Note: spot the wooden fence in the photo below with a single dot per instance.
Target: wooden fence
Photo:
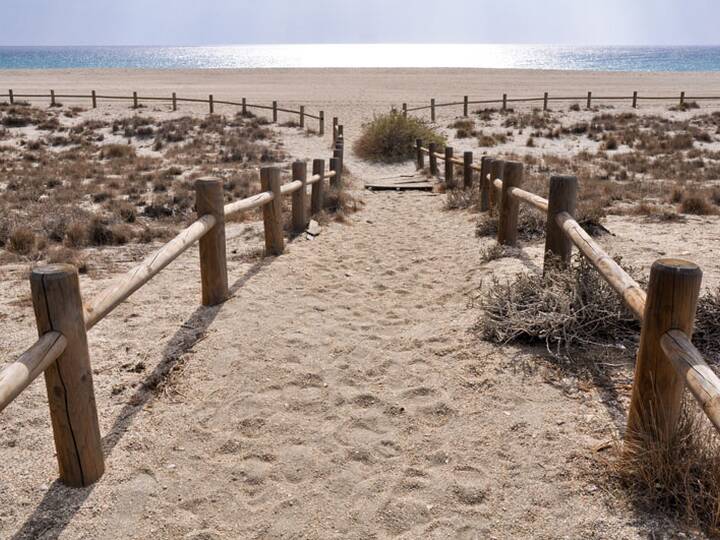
(667, 361)
(61, 352)
(211, 102)
(635, 99)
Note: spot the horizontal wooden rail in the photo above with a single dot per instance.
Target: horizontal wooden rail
(700, 379)
(18, 375)
(100, 306)
(249, 203)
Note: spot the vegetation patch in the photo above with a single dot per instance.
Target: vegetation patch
(391, 138)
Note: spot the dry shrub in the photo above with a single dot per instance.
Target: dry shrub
(566, 308)
(462, 199)
(116, 151)
(531, 224)
(391, 137)
(679, 478)
(21, 240)
(695, 204)
(707, 325)
(61, 254)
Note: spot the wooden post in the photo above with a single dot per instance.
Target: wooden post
(174, 101)
(589, 100)
(243, 107)
(316, 193)
(562, 198)
(634, 104)
(334, 127)
(419, 155)
(52, 98)
(432, 110)
(69, 381)
(209, 199)
(467, 170)
(211, 104)
(336, 165)
(272, 211)
(485, 168)
(509, 205)
(449, 168)
(496, 172)
(274, 112)
(94, 99)
(404, 109)
(299, 197)
(465, 106)
(302, 116)
(321, 122)
(433, 159)
(11, 96)
(682, 99)
(341, 133)
(545, 102)
(504, 105)
(135, 100)
(657, 391)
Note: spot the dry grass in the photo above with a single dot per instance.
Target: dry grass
(462, 199)
(391, 137)
(531, 224)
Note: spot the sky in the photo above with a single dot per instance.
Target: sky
(223, 22)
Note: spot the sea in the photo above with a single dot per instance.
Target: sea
(519, 56)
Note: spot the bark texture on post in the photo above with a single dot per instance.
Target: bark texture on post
(485, 169)
(94, 99)
(52, 98)
(432, 109)
(174, 101)
(274, 112)
(299, 197)
(419, 155)
(336, 165)
(509, 206)
(316, 195)
(467, 170)
(11, 96)
(211, 103)
(302, 116)
(465, 106)
(135, 100)
(432, 148)
(244, 107)
(272, 211)
(562, 198)
(496, 172)
(657, 392)
(449, 168)
(58, 307)
(545, 102)
(209, 199)
(635, 97)
(589, 100)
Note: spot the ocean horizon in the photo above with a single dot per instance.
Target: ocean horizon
(497, 56)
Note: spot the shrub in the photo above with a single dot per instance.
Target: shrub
(391, 137)
(695, 204)
(575, 107)
(22, 241)
(115, 151)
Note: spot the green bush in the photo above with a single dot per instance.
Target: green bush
(391, 137)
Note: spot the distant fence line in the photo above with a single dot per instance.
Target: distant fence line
(63, 319)
(136, 100)
(667, 361)
(682, 100)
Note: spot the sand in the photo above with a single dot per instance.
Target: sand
(339, 393)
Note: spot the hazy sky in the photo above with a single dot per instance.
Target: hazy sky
(200, 22)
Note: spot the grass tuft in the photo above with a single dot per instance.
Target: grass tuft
(391, 137)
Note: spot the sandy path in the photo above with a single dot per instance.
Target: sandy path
(339, 394)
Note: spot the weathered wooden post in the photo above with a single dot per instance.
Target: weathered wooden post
(496, 172)
(509, 205)
(682, 99)
(272, 211)
(449, 168)
(504, 103)
(341, 133)
(562, 198)
(52, 98)
(69, 381)
(545, 102)
(94, 99)
(336, 165)
(174, 101)
(243, 107)
(485, 169)
(467, 170)
(334, 128)
(209, 199)
(404, 109)
(635, 97)
(321, 124)
(419, 155)
(657, 391)
(465, 106)
(299, 197)
(302, 116)
(211, 103)
(275, 111)
(11, 96)
(433, 159)
(135, 100)
(316, 194)
(432, 109)
(589, 100)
